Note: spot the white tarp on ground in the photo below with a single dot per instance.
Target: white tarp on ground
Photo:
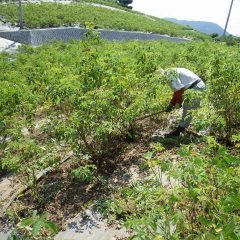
(5, 44)
(8, 46)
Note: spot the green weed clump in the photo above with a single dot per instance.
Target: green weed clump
(84, 174)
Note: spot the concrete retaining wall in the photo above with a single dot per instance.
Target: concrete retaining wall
(39, 36)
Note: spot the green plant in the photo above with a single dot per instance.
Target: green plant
(223, 81)
(85, 174)
(85, 96)
(34, 227)
(203, 202)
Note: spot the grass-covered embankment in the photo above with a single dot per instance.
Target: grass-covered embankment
(53, 15)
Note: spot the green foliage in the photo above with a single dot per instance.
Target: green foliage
(223, 77)
(84, 100)
(85, 174)
(86, 93)
(231, 40)
(53, 15)
(125, 3)
(214, 35)
(35, 227)
(201, 203)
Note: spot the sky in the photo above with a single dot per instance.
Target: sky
(200, 10)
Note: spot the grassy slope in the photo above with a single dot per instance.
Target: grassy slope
(53, 15)
(111, 3)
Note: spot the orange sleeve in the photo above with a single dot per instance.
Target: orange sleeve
(177, 97)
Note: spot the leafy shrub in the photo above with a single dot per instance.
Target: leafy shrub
(34, 227)
(90, 92)
(224, 80)
(85, 174)
(203, 203)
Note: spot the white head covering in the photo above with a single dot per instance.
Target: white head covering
(180, 78)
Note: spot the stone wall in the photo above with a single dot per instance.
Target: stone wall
(39, 36)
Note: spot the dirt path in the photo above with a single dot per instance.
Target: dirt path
(6, 187)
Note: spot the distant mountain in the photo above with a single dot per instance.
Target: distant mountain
(201, 26)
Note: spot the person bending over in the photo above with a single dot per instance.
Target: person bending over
(180, 80)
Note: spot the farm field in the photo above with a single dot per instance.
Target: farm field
(79, 14)
(86, 98)
(82, 128)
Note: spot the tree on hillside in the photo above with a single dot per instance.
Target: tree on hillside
(125, 3)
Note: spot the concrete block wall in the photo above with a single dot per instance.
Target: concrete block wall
(39, 36)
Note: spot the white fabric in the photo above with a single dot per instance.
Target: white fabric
(181, 78)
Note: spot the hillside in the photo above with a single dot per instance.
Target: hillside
(84, 15)
(201, 26)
